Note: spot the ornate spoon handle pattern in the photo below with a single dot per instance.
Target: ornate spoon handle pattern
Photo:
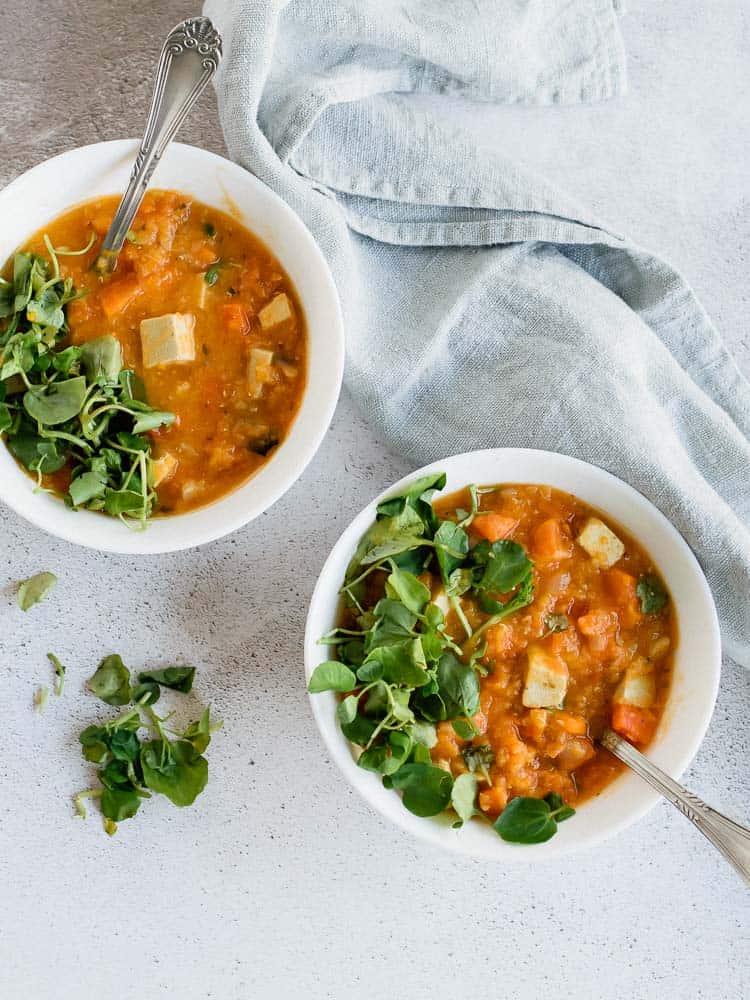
(729, 837)
(189, 58)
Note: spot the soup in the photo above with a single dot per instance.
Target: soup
(486, 640)
(581, 656)
(208, 321)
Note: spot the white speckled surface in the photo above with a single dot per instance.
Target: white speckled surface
(280, 882)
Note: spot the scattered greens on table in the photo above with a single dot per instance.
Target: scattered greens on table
(134, 765)
(72, 406)
(59, 673)
(35, 589)
(401, 673)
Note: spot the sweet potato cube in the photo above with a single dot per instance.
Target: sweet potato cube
(550, 541)
(117, 295)
(493, 526)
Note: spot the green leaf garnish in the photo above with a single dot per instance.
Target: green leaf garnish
(132, 768)
(426, 788)
(651, 594)
(35, 589)
(111, 682)
(532, 821)
(177, 678)
(331, 676)
(397, 662)
(59, 673)
(73, 406)
(175, 769)
(464, 797)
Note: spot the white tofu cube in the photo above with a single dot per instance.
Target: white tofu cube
(168, 339)
(278, 310)
(638, 686)
(546, 679)
(163, 468)
(603, 545)
(260, 371)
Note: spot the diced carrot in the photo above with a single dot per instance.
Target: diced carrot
(493, 526)
(535, 723)
(447, 742)
(204, 255)
(493, 800)
(576, 752)
(235, 319)
(620, 586)
(635, 724)
(480, 721)
(116, 296)
(598, 622)
(576, 725)
(550, 541)
(499, 641)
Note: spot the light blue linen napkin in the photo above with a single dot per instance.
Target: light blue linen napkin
(483, 307)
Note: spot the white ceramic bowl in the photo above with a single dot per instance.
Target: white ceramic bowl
(697, 658)
(56, 185)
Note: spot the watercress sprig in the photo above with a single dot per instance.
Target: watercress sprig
(72, 406)
(133, 766)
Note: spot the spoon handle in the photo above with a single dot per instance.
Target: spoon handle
(189, 58)
(729, 837)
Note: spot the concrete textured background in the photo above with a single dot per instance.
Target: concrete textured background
(280, 882)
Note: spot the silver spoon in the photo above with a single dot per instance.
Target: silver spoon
(189, 58)
(731, 839)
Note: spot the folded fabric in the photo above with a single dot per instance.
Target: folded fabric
(481, 308)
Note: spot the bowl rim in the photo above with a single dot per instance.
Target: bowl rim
(435, 830)
(304, 437)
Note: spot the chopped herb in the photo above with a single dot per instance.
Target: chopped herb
(212, 274)
(78, 800)
(478, 758)
(651, 594)
(264, 442)
(40, 698)
(555, 623)
(209, 229)
(35, 589)
(59, 673)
